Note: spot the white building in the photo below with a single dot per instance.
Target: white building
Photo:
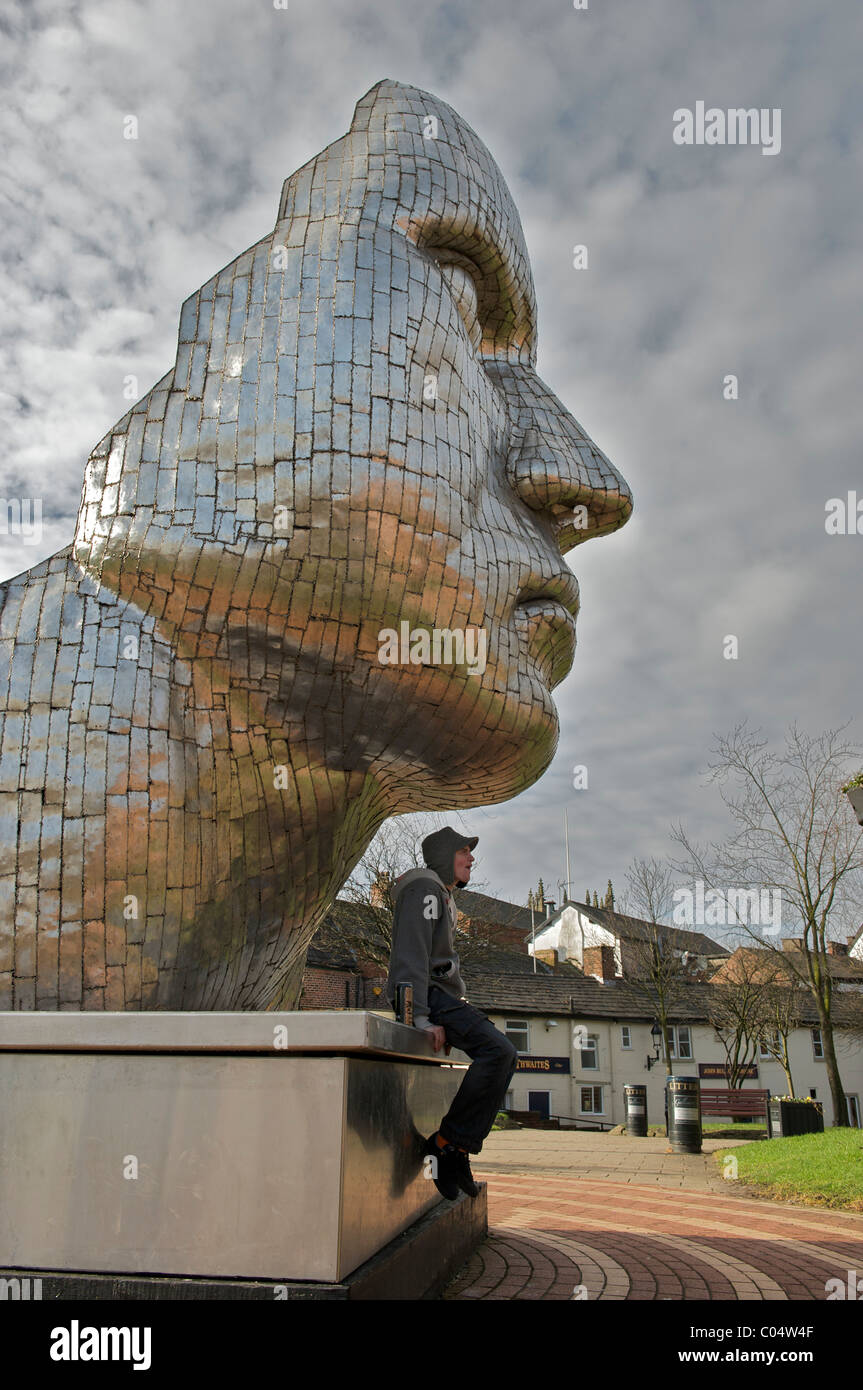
(580, 1042)
(584, 1030)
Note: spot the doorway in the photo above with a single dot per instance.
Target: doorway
(541, 1101)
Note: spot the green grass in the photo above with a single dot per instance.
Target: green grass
(732, 1129)
(503, 1121)
(722, 1129)
(821, 1170)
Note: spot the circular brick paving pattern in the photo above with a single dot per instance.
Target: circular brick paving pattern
(564, 1237)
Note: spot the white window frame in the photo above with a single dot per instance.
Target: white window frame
(765, 1054)
(817, 1045)
(520, 1026)
(626, 1037)
(593, 1046)
(675, 1042)
(593, 1090)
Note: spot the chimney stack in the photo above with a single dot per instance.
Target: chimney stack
(549, 956)
(379, 892)
(598, 961)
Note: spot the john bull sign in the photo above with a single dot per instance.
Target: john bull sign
(716, 1071)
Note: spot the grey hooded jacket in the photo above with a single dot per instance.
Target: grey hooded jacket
(423, 952)
(424, 921)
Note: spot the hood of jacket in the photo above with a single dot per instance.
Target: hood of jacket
(440, 849)
(411, 875)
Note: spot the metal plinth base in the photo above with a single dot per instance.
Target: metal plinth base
(274, 1148)
(418, 1264)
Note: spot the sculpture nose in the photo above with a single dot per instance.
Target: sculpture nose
(554, 466)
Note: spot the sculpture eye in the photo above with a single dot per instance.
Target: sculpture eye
(463, 289)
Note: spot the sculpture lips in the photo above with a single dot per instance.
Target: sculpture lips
(548, 629)
(560, 589)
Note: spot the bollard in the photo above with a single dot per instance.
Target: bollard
(635, 1102)
(683, 1110)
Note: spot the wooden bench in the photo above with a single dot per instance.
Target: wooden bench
(534, 1119)
(746, 1104)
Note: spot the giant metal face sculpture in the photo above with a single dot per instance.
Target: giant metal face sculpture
(202, 733)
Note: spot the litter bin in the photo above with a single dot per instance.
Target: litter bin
(683, 1114)
(635, 1103)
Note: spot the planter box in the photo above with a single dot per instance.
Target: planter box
(855, 796)
(788, 1118)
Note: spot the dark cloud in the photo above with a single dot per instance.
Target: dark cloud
(703, 261)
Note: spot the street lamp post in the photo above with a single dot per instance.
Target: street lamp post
(656, 1034)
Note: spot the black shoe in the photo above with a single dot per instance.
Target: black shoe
(463, 1175)
(444, 1172)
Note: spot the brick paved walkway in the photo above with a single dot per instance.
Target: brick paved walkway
(588, 1216)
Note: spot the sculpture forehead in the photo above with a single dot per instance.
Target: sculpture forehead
(410, 162)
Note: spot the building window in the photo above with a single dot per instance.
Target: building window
(626, 1036)
(812, 1095)
(589, 1059)
(817, 1045)
(769, 1048)
(591, 1100)
(516, 1030)
(681, 1042)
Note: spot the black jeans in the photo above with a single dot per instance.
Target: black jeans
(481, 1094)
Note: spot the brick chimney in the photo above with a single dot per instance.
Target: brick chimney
(380, 889)
(599, 962)
(549, 955)
(837, 948)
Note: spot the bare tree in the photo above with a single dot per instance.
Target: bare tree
(363, 912)
(780, 1016)
(794, 836)
(753, 1005)
(730, 1010)
(653, 966)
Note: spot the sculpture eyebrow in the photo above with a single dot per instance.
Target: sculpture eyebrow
(506, 314)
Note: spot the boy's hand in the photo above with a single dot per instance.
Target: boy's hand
(438, 1036)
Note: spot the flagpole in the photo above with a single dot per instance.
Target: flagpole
(566, 833)
(533, 936)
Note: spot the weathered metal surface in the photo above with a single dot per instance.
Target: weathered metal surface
(271, 1167)
(204, 717)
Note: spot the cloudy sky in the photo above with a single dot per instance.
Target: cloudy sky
(703, 261)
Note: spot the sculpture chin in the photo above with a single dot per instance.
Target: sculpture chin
(485, 741)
